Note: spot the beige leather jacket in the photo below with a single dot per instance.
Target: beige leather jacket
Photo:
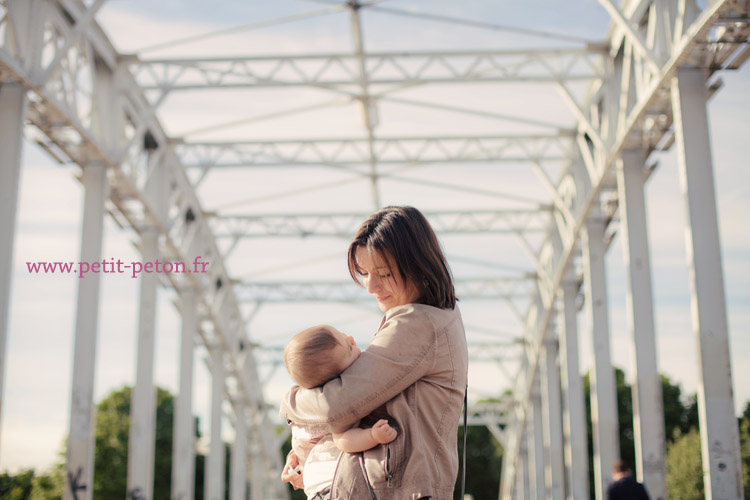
(415, 368)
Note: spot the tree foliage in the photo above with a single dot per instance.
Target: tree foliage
(111, 456)
(112, 431)
(684, 467)
(484, 457)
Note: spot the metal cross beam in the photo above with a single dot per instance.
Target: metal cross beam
(393, 150)
(346, 291)
(345, 225)
(342, 70)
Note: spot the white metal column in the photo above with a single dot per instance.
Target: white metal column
(13, 103)
(574, 405)
(238, 474)
(553, 440)
(521, 491)
(648, 406)
(143, 402)
(215, 463)
(603, 388)
(719, 433)
(536, 444)
(257, 473)
(183, 443)
(80, 454)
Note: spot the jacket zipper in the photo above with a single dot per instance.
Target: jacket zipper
(388, 473)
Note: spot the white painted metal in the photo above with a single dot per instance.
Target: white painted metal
(574, 406)
(552, 415)
(347, 291)
(536, 445)
(13, 103)
(354, 154)
(238, 460)
(325, 70)
(105, 124)
(602, 379)
(142, 436)
(634, 114)
(719, 433)
(215, 483)
(529, 221)
(648, 407)
(522, 474)
(79, 466)
(183, 441)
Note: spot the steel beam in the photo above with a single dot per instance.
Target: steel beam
(536, 445)
(648, 408)
(356, 153)
(215, 483)
(551, 409)
(341, 70)
(603, 388)
(13, 103)
(183, 442)
(346, 291)
(523, 480)
(238, 459)
(79, 468)
(143, 405)
(344, 225)
(718, 424)
(574, 405)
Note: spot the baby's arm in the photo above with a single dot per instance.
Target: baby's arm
(355, 439)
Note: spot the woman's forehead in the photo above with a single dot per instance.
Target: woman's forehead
(373, 258)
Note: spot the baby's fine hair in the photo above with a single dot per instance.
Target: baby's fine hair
(309, 357)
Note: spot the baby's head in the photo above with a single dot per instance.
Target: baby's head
(318, 354)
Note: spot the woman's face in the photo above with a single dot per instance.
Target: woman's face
(389, 289)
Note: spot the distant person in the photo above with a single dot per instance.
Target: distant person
(313, 357)
(625, 487)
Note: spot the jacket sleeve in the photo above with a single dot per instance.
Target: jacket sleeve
(402, 352)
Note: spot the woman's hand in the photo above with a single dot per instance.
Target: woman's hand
(291, 474)
(382, 432)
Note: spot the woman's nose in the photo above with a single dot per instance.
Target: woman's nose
(372, 284)
(351, 340)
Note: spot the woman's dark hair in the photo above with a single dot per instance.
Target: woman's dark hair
(405, 234)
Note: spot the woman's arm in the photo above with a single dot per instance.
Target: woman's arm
(401, 353)
(355, 439)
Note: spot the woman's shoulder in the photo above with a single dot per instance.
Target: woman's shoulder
(422, 313)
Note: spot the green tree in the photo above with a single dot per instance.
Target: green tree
(483, 463)
(684, 468)
(745, 448)
(679, 417)
(49, 486)
(112, 430)
(18, 486)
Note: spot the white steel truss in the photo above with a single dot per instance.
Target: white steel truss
(94, 107)
(341, 70)
(398, 150)
(344, 225)
(320, 291)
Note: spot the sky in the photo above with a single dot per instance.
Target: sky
(39, 350)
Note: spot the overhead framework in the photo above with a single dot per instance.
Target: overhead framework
(569, 184)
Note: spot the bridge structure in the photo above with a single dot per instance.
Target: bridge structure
(527, 204)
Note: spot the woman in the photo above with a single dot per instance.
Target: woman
(413, 372)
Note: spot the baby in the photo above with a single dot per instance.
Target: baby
(312, 358)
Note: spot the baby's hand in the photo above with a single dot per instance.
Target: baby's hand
(382, 432)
